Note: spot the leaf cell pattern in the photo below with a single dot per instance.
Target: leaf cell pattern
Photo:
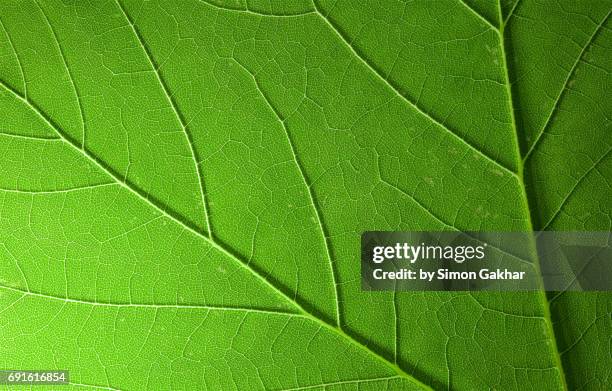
(183, 186)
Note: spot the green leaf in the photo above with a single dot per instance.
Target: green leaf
(184, 186)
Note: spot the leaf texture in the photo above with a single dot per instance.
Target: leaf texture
(183, 186)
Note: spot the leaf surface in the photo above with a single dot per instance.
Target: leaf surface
(184, 186)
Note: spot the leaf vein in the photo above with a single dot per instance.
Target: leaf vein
(478, 15)
(574, 188)
(343, 382)
(363, 59)
(564, 88)
(68, 70)
(66, 190)
(308, 184)
(525, 201)
(212, 241)
(150, 305)
(177, 112)
(31, 138)
(252, 12)
(10, 40)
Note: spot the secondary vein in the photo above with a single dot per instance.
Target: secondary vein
(70, 77)
(252, 12)
(177, 112)
(478, 15)
(332, 26)
(343, 382)
(212, 241)
(148, 305)
(59, 191)
(573, 189)
(19, 64)
(309, 189)
(563, 89)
